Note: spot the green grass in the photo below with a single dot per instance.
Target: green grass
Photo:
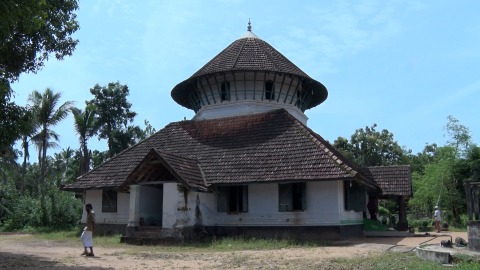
(457, 229)
(74, 236)
(229, 244)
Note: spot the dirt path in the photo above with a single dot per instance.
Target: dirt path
(25, 252)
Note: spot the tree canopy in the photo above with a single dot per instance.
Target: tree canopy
(30, 31)
(369, 147)
(114, 115)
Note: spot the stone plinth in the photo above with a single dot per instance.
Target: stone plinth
(473, 230)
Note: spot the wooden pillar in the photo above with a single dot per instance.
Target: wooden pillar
(468, 193)
(476, 201)
(402, 214)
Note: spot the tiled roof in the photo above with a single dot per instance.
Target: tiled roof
(256, 148)
(250, 54)
(166, 166)
(392, 180)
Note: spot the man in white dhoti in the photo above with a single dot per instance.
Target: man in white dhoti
(87, 235)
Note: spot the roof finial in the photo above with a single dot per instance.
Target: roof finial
(249, 28)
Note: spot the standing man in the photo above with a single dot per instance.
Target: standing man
(87, 235)
(437, 216)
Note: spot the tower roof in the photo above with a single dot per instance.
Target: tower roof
(250, 53)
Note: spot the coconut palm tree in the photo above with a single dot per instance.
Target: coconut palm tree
(28, 129)
(61, 164)
(86, 126)
(47, 113)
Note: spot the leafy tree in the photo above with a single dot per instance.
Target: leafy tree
(6, 163)
(114, 115)
(443, 171)
(10, 125)
(420, 160)
(460, 141)
(30, 31)
(369, 147)
(459, 136)
(123, 138)
(473, 163)
(99, 157)
(432, 186)
(148, 131)
(86, 126)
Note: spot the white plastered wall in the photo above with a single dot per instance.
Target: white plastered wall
(95, 198)
(324, 207)
(247, 95)
(175, 212)
(246, 107)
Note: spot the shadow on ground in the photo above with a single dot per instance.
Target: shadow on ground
(21, 261)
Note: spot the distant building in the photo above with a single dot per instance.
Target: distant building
(246, 164)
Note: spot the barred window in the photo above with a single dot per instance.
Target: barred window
(109, 201)
(292, 197)
(355, 196)
(269, 90)
(225, 91)
(232, 199)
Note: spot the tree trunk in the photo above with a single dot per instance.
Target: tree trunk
(24, 166)
(86, 162)
(43, 166)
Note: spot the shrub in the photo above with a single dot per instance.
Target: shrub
(21, 212)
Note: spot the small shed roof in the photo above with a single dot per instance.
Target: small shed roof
(392, 180)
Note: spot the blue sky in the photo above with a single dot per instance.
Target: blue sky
(404, 65)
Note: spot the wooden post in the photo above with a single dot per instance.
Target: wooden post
(402, 214)
(468, 193)
(476, 201)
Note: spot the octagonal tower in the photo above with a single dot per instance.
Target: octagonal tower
(249, 76)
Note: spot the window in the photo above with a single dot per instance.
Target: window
(109, 201)
(225, 91)
(355, 196)
(292, 197)
(299, 100)
(269, 90)
(232, 199)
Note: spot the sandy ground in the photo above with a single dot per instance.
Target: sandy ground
(24, 252)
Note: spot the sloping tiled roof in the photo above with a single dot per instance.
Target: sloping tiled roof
(256, 148)
(392, 180)
(250, 53)
(175, 167)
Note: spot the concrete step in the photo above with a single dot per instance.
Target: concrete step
(150, 228)
(149, 240)
(146, 234)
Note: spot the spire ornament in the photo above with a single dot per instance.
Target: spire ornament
(249, 28)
